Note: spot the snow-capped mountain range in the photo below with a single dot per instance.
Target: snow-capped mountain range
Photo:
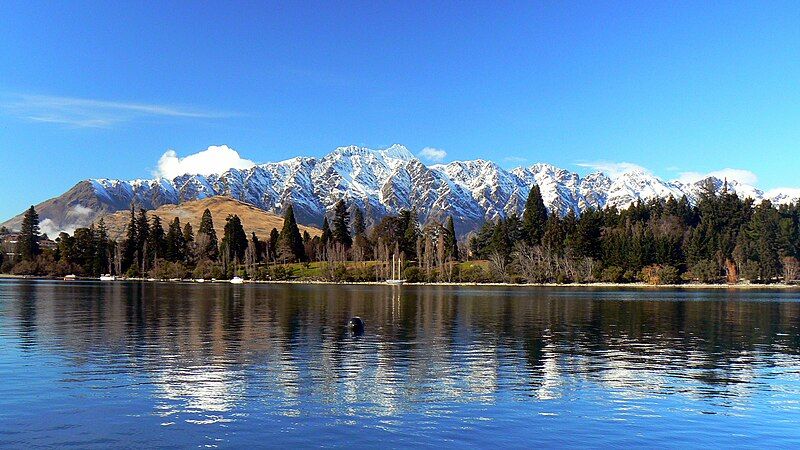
(381, 182)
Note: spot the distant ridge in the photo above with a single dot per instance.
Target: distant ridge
(253, 219)
(380, 182)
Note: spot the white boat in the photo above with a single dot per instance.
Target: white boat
(199, 280)
(107, 277)
(237, 280)
(395, 279)
(70, 277)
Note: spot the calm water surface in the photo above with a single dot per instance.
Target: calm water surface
(182, 365)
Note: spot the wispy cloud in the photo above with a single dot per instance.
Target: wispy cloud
(92, 113)
(613, 169)
(740, 175)
(433, 154)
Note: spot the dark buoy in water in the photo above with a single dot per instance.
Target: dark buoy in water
(356, 326)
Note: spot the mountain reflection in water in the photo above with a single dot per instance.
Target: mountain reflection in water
(91, 364)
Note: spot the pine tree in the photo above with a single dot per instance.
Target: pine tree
(290, 243)
(102, 249)
(535, 216)
(130, 250)
(272, 245)
(84, 251)
(553, 236)
(341, 219)
(359, 225)
(450, 242)
(188, 233)
(235, 239)
(208, 246)
(28, 242)
(176, 244)
(156, 247)
(143, 238)
(408, 244)
(326, 233)
(256, 247)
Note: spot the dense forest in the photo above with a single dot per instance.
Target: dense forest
(721, 238)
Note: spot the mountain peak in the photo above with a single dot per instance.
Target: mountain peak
(398, 151)
(383, 181)
(394, 151)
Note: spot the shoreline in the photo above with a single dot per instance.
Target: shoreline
(604, 285)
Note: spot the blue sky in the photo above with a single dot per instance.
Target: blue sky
(103, 89)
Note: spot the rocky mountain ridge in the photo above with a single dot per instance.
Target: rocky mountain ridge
(381, 182)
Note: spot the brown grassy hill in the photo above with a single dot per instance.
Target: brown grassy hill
(253, 219)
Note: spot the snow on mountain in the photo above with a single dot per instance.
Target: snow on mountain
(385, 181)
(637, 184)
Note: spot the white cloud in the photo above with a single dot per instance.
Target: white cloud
(48, 227)
(740, 175)
(515, 159)
(783, 191)
(82, 210)
(91, 113)
(215, 159)
(613, 169)
(432, 154)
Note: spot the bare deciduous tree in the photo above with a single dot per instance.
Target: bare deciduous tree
(791, 267)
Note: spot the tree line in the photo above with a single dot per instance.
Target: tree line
(721, 238)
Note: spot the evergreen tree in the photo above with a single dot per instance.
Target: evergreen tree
(554, 234)
(176, 244)
(143, 238)
(272, 245)
(326, 233)
(359, 225)
(450, 242)
(156, 247)
(207, 244)
(188, 233)
(28, 243)
(499, 241)
(535, 216)
(102, 249)
(235, 239)
(481, 242)
(764, 233)
(290, 243)
(257, 247)
(408, 244)
(341, 219)
(130, 250)
(84, 251)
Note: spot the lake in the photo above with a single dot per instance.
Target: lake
(87, 364)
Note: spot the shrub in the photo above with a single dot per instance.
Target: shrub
(204, 270)
(361, 274)
(704, 271)
(25, 268)
(166, 270)
(750, 271)
(613, 274)
(413, 274)
(339, 273)
(279, 273)
(657, 274)
(473, 274)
